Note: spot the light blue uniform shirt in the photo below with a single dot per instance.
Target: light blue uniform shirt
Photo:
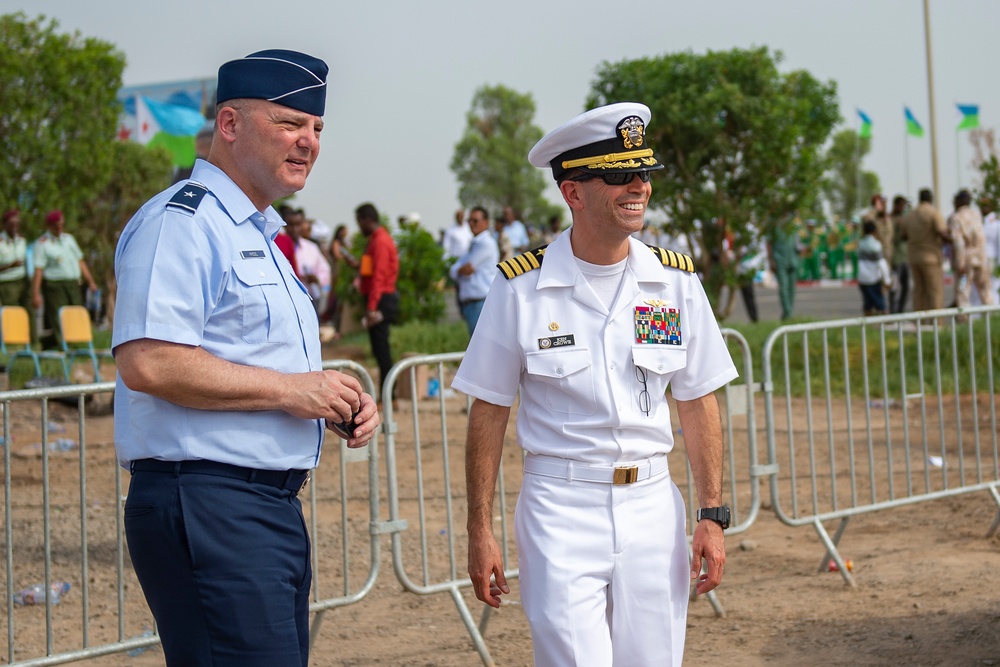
(213, 279)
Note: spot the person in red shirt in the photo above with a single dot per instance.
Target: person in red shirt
(284, 242)
(378, 272)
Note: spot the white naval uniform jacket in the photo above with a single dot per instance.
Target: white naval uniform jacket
(546, 332)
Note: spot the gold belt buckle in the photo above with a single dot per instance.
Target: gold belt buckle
(626, 475)
(305, 483)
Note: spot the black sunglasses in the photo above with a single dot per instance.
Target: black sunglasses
(613, 178)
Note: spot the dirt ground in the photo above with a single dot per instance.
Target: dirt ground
(927, 591)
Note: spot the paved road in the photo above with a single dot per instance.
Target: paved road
(826, 301)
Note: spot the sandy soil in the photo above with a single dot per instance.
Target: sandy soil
(927, 591)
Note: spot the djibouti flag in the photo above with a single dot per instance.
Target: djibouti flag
(913, 128)
(970, 116)
(866, 124)
(169, 125)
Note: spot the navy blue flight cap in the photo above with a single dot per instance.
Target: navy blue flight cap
(289, 78)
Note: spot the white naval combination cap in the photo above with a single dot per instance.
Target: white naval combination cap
(611, 138)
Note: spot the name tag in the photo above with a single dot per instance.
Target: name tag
(252, 254)
(556, 341)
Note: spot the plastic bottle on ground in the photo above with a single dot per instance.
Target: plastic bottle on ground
(35, 594)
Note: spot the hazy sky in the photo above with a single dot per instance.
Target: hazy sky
(403, 73)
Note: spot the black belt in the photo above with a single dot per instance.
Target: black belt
(292, 480)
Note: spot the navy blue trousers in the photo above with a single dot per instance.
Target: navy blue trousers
(224, 565)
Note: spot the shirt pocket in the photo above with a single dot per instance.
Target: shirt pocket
(655, 365)
(263, 295)
(568, 377)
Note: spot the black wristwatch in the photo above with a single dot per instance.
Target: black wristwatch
(719, 515)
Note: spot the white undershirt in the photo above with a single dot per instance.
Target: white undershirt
(604, 279)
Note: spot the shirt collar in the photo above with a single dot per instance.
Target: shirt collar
(232, 199)
(559, 268)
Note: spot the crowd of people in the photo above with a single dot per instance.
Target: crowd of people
(907, 250)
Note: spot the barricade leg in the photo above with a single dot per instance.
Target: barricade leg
(836, 541)
(996, 520)
(314, 627)
(470, 624)
(484, 619)
(831, 548)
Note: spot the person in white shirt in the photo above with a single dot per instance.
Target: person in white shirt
(314, 269)
(991, 230)
(457, 237)
(586, 335)
(515, 230)
(474, 271)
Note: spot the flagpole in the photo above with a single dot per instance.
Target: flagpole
(958, 161)
(906, 159)
(930, 98)
(857, 170)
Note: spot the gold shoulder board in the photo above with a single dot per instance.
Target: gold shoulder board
(674, 260)
(526, 261)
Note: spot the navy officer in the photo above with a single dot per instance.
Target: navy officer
(590, 330)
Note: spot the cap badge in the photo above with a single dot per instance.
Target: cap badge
(632, 129)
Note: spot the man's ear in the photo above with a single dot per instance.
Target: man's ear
(226, 121)
(571, 192)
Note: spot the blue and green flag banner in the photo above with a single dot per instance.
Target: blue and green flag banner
(913, 128)
(970, 116)
(866, 124)
(171, 126)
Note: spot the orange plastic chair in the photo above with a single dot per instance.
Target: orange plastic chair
(78, 338)
(15, 340)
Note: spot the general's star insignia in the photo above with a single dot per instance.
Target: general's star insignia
(188, 193)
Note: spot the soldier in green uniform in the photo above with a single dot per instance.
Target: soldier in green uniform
(835, 239)
(810, 238)
(851, 238)
(15, 288)
(783, 253)
(59, 266)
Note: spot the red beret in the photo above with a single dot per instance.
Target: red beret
(7, 215)
(53, 216)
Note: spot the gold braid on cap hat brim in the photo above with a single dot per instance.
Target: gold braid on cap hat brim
(613, 160)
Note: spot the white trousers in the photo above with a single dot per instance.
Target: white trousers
(604, 571)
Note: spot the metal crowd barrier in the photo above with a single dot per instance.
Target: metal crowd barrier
(432, 559)
(81, 533)
(911, 418)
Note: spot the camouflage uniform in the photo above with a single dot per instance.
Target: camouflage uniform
(969, 244)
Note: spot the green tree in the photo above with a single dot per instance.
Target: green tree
(840, 186)
(138, 174)
(491, 159)
(990, 191)
(58, 116)
(984, 144)
(740, 140)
